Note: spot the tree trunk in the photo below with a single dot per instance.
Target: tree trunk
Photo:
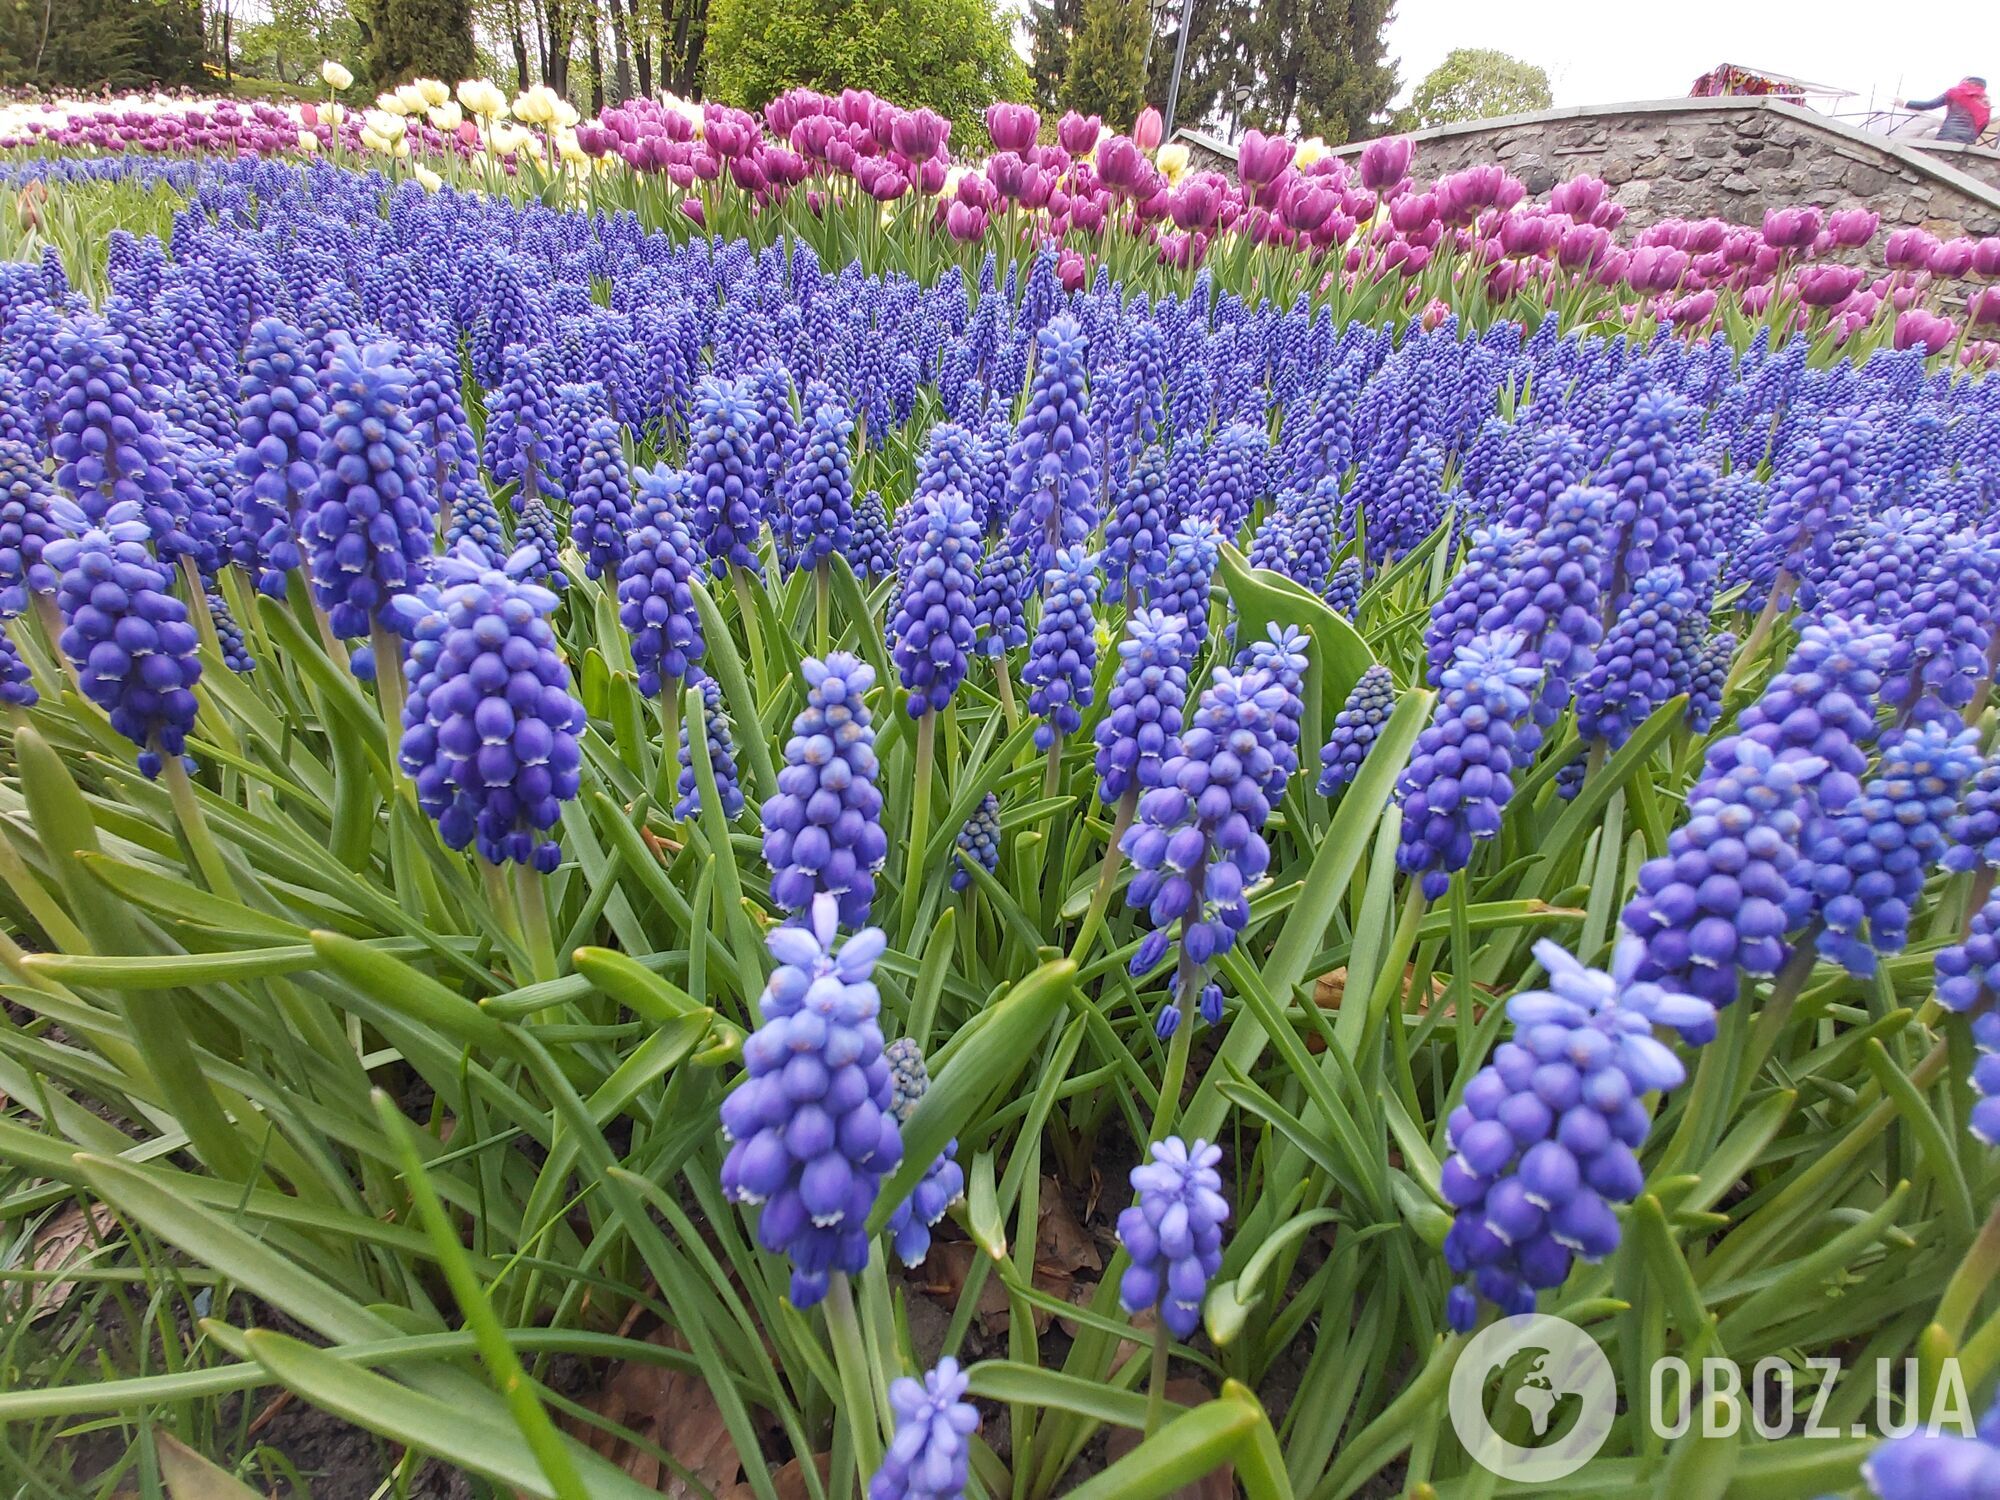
(645, 65)
(621, 47)
(596, 53)
(520, 40)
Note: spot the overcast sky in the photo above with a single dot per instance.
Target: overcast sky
(1599, 53)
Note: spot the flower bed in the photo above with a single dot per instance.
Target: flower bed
(704, 805)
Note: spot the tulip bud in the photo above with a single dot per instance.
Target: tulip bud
(1148, 128)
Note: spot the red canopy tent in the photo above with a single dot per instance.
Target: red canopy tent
(1733, 78)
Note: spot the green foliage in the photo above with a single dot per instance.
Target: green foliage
(405, 39)
(1476, 83)
(1052, 24)
(953, 56)
(1315, 67)
(1107, 64)
(293, 38)
(85, 44)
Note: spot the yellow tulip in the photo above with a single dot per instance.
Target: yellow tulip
(389, 104)
(482, 98)
(430, 180)
(308, 141)
(373, 141)
(412, 99)
(446, 116)
(431, 90)
(388, 126)
(1173, 160)
(1311, 149)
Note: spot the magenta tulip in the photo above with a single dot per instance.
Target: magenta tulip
(1012, 126)
(1385, 162)
(1922, 329)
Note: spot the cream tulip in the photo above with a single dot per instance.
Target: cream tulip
(482, 98)
(431, 90)
(430, 180)
(445, 117)
(336, 77)
(1172, 160)
(1311, 149)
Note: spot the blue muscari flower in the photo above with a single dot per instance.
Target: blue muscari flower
(932, 631)
(1637, 665)
(1460, 776)
(1468, 604)
(818, 489)
(721, 759)
(17, 686)
(1868, 860)
(999, 599)
(1173, 1234)
(871, 553)
(1737, 520)
(1141, 725)
(655, 599)
(1974, 830)
(1052, 480)
(577, 406)
(229, 635)
(1062, 659)
(367, 524)
(520, 446)
(954, 458)
(1706, 681)
(979, 841)
(1881, 568)
(727, 505)
(1729, 888)
(535, 532)
(1642, 513)
(107, 445)
(1135, 538)
(1343, 588)
(472, 517)
(943, 1183)
(1943, 635)
(1545, 1139)
(1717, 901)
(28, 523)
(1811, 506)
(823, 827)
(1198, 844)
(1938, 1465)
(1983, 1119)
(1233, 477)
(1406, 502)
(810, 1129)
(1312, 536)
(1355, 728)
(1559, 461)
(128, 635)
(1282, 656)
(600, 500)
(491, 732)
(1182, 589)
(927, 1458)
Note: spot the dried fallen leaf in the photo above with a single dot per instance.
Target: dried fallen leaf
(945, 1271)
(789, 1482)
(1216, 1484)
(62, 1242)
(672, 1409)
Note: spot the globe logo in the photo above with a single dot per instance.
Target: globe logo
(1547, 1367)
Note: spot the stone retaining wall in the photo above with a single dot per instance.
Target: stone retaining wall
(1730, 159)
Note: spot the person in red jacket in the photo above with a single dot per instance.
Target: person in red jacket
(1966, 111)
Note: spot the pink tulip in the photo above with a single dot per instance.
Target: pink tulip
(1077, 134)
(1147, 129)
(1012, 126)
(1982, 309)
(1909, 250)
(1385, 162)
(1852, 228)
(1790, 228)
(1953, 258)
(1920, 328)
(1827, 286)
